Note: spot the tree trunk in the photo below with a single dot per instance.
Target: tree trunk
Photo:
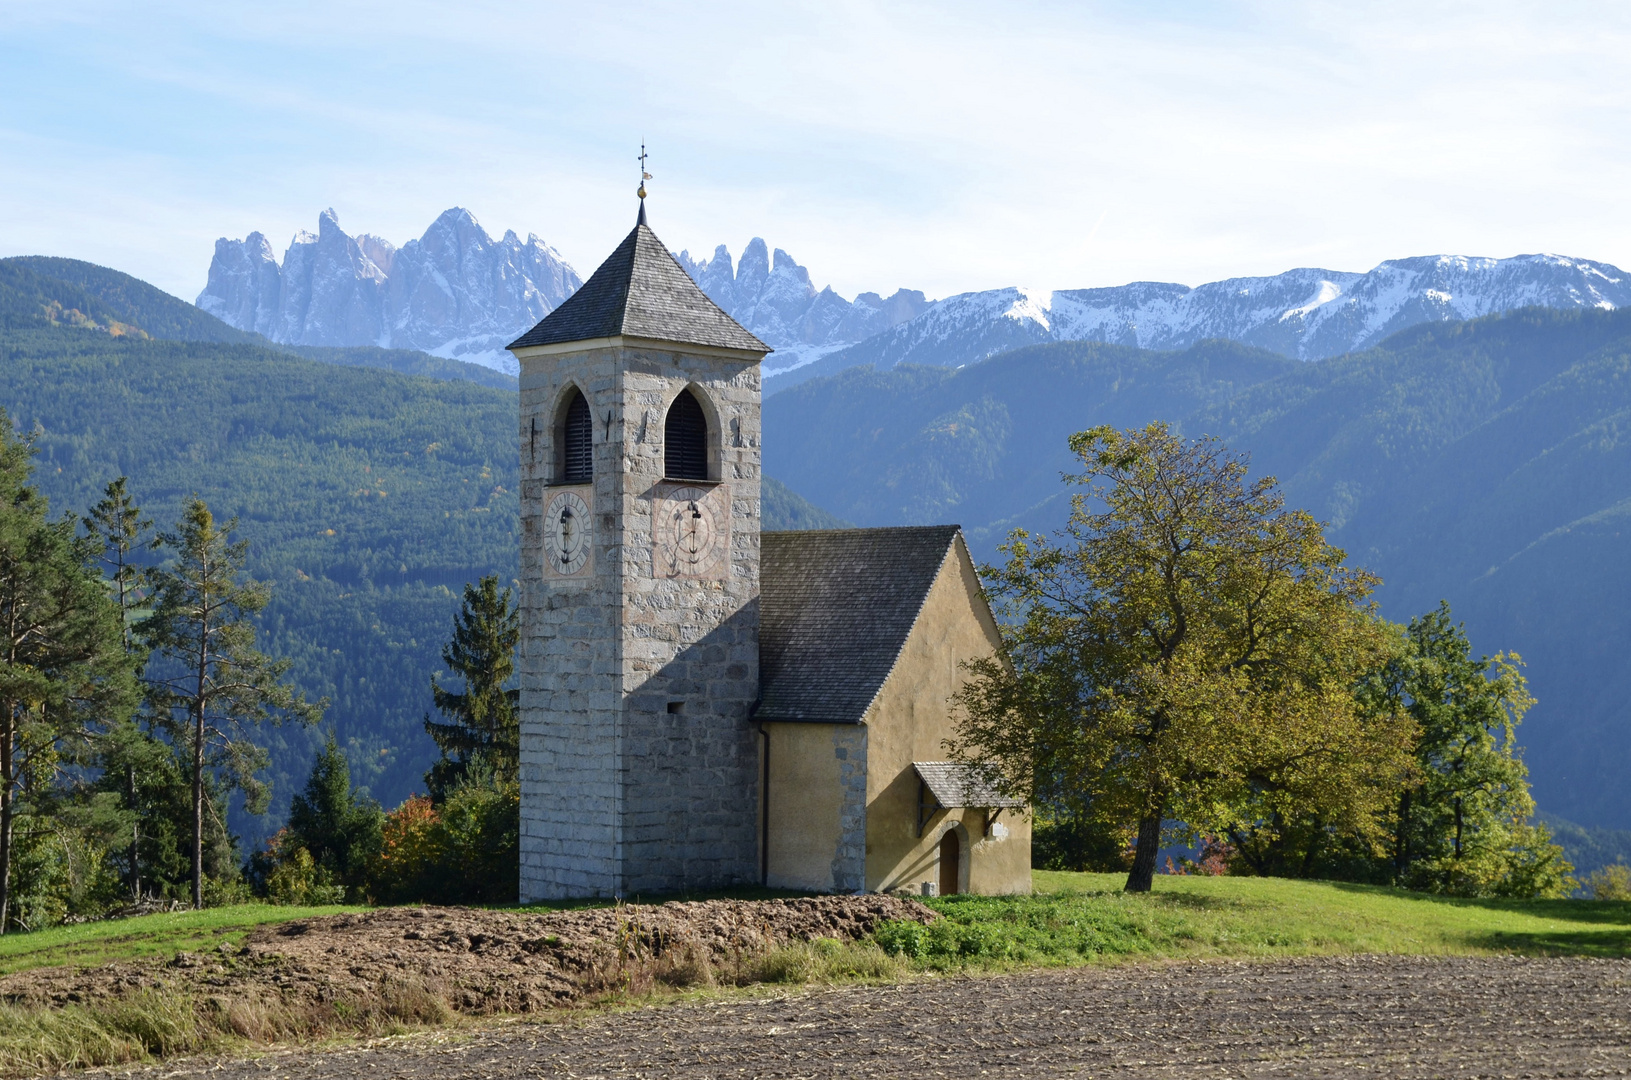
(201, 674)
(1142, 876)
(1313, 849)
(135, 840)
(1401, 848)
(7, 754)
(198, 806)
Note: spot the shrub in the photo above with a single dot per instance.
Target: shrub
(295, 878)
(57, 874)
(467, 851)
(480, 842)
(1610, 883)
(908, 939)
(409, 852)
(225, 891)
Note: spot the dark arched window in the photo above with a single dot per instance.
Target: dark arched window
(577, 443)
(685, 440)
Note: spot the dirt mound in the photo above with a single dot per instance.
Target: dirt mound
(483, 961)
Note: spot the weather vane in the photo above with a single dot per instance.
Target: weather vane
(644, 176)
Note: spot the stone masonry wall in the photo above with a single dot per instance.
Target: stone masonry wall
(691, 778)
(640, 767)
(569, 655)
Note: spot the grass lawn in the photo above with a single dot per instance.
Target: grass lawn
(90, 944)
(1070, 919)
(1077, 918)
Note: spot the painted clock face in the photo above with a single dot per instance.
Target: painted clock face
(691, 532)
(567, 533)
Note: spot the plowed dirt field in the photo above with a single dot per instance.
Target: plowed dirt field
(1395, 1017)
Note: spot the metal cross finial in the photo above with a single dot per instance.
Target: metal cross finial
(644, 176)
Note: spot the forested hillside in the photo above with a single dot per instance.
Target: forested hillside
(1488, 463)
(368, 499)
(981, 444)
(1485, 462)
(38, 290)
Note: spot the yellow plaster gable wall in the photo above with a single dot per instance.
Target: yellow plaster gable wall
(910, 721)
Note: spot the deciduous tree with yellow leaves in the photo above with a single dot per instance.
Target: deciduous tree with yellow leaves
(1186, 649)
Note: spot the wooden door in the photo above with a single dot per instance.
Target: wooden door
(951, 858)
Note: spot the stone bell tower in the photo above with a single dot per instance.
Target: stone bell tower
(639, 586)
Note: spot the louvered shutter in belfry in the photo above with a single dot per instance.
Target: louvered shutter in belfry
(579, 454)
(685, 440)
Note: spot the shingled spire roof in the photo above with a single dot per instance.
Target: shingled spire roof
(641, 292)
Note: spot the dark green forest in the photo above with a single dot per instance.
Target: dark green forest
(1482, 463)
(1486, 463)
(369, 498)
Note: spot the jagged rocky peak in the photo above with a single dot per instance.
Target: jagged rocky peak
(771, 294)
(455, 291)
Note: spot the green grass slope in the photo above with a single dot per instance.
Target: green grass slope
(1070, 919)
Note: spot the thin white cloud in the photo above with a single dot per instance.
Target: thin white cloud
(946, 147)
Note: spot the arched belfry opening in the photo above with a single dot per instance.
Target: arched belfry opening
(576, 442)
(685, 439)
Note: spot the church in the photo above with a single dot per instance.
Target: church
(705, 705)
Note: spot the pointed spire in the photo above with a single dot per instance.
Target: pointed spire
(644, 176)
(641, 292)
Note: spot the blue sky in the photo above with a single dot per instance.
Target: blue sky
(945, 146)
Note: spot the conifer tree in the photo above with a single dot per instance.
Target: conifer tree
(62, 665)
(339, 827)
(483, 729)
(133, 763)
(208, 680)
(118, 529)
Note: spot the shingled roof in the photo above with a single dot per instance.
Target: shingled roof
(835, 609)
(956, 785)
(640, 291)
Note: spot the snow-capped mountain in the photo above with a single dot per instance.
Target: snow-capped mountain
(457, 292)
(454, 292)
(1308, 314)
(774, 298)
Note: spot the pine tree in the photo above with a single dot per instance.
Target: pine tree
(338, 826)
(118, 529)
(63, 669)
(132, 761)
(483, 729)
(207, 679)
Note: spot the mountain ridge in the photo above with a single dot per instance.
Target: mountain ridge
(1306, 313)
